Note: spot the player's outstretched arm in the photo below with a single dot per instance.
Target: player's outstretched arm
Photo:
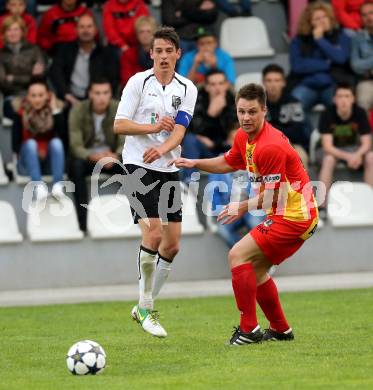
(129, 127)
(211, 165)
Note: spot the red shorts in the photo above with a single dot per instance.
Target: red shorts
(279, 238)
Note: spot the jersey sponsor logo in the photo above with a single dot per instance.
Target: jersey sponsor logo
(255, 179)
(176, 102)
(154, 118)
(275, 178)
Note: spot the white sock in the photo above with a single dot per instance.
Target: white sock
(146, 267)
(161, 274)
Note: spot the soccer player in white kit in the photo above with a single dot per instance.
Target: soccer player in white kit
(154, 112)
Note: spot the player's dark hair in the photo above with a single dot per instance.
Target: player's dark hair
(273, 68)
(213, 72)
(98, 80)
(252, 92)
(345, 85)
(168, 34)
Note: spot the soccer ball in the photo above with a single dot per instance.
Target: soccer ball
(86, 357)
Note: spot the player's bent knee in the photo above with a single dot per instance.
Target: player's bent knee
(152, 239)
(236, 258)
(170, 251)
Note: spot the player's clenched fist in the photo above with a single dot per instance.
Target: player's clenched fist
(166, 123)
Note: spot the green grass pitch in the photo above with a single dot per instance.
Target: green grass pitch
(333, 347)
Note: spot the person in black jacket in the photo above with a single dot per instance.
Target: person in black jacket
(214, 117)
(284, 111)
(186, 16)
(77, 63)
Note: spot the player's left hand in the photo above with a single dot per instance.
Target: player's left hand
(152, 154)
(232, 212)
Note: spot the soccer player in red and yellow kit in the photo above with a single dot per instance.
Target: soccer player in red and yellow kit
(285, 192)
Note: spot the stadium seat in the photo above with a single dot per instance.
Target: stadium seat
(3, 177)
(314, 141)
(53, 220)
(9, 232)
(350, 204)
(109, 216)
(190, 224)
(246, 78)
(245, 37)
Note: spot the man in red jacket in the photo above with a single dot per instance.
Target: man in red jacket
(18, 8)
(58, 24)
(119, 22)
(347, 13)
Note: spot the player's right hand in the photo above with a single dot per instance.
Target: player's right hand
(166, 123)
(182, 163)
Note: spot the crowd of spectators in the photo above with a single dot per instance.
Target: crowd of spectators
(61, 73)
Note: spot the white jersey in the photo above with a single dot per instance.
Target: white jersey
(144, 100)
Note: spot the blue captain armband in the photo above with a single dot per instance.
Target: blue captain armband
(183, 119)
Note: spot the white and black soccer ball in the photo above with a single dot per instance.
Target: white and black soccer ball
(86, 357)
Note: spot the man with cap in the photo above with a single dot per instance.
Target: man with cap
(208, 56)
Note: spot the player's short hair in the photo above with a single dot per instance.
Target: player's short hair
(168, 34)
(273, 68)
(213, 72)
(98, 80)
(344, 85)
(252, 91)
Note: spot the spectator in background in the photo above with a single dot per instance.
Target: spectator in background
(19, 61)
(362, 58)
(284, 111)
(76, 63)
(137, 58)
(18, 8)
(241, 8)
(186, 16)
(92, 138)
(36, 137)
(346, 136)
(214, 117)
(119, 18)
(58, 24)
(347, 13)
(319, 56)
(208, 56)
